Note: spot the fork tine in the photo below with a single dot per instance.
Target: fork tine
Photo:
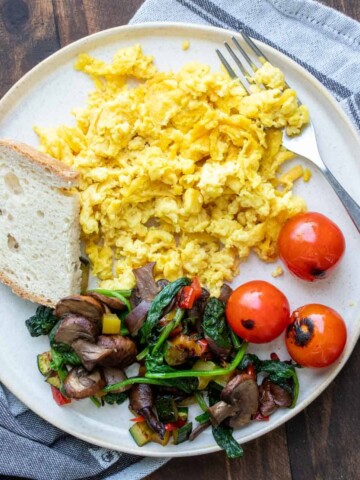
(262, 58)
(245, 55)
(229, 68)
(260, 55)
(238, 62)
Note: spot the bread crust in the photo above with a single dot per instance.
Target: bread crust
(56, 167)
(24, 293)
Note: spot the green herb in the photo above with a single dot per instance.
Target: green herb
(96, 402)
(42, 322)
(123, 330)
(203, 418)
(59, 359)
(140, 356)
(115, 398)
(236, 341)
(214, 323)
(176, 374)
(119, 294)
(133, 381)
(201, 402)
(162, 300)
(224, 438)
(156, 366)
(175, 322)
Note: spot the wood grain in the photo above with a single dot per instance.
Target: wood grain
(28, 31)
(349, 7)
(322, 442)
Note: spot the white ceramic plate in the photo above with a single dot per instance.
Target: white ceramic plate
(45, 97)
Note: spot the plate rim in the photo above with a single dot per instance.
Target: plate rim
(9, 100)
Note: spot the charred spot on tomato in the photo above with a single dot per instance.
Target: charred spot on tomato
(248, 324)
(303, 331)
(317, 273)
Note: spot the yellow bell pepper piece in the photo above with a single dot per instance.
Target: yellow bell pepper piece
(111, 324)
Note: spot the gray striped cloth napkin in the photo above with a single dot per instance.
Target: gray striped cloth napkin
(320, 39)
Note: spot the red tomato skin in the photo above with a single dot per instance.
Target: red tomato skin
(311, 245)
(257, 311)
(316, 336)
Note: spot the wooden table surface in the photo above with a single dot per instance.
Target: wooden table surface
(322, 442)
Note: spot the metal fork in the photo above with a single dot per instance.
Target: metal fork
(304, 144)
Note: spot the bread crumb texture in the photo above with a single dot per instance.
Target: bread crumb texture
(181, 169)
(39, 230)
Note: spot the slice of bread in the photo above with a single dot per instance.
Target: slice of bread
(39, 225)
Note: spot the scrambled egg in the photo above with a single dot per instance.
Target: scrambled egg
(180, 168)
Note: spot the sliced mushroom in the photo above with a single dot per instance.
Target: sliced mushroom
(214, 347)
(115, 375)
(73, 327)
(136, 318)
(225, 293)
(272, 396)
(162, 283)
(142, 402)
(123, 350)
(112, 303)
(83, 305)
(243, 394)
(135, 298)
(81, 384)
(90, 354)
(220, 411)
(145, 282)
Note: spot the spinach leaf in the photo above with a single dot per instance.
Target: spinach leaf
(162, 300)
(115, 398)
(59, 359)
(214, 324)
(224, 438)
(223, 434)
(155, 365)
(42, 322)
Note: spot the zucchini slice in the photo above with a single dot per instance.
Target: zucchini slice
(141, 433)
(54, 380)
(156, 438)
(182, 434)
(183, 413)
(166, 409)
(43, 363)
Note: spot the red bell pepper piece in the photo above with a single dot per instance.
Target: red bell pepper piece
(251, 371)
(189, 294)
(197, 287)
(274, 356)
(137, 419)
(170, 427)
(260, 417)
(187, 297)
(59, 397)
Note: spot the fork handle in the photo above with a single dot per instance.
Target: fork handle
(349, 203)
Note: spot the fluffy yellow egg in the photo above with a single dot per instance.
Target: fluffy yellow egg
(180, 169)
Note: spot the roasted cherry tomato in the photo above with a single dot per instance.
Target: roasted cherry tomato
(311, 245)
(257, 311)
(316, 337)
